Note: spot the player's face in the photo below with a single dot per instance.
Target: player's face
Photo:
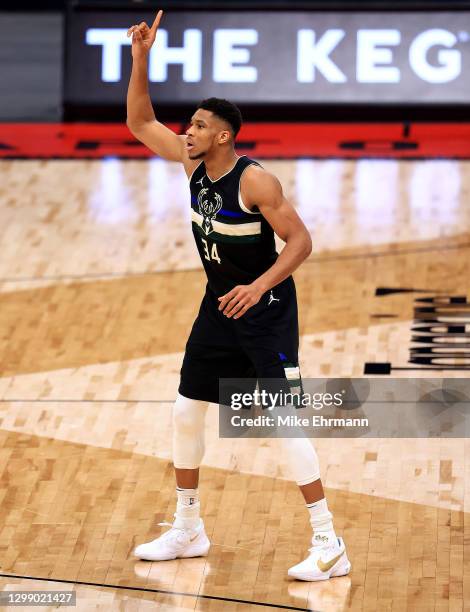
(205, 134)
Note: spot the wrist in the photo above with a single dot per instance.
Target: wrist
(260, 285)
(140, 58)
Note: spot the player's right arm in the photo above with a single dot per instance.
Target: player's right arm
(141, 119)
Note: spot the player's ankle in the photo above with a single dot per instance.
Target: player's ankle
(189, 524)
(324, 538)
(188, 508)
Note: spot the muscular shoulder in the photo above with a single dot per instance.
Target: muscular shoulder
(259, 187)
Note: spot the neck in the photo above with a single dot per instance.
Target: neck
(220, 163)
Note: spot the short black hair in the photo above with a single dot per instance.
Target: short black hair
(228, 111)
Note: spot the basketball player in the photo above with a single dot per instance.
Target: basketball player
(247, 323)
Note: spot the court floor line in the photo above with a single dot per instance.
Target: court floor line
(170, 401)
(88, 401)
(311, 261)
(162, 591)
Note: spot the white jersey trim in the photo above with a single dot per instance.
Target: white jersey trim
(228, 171)
(230, 229)
(292, 373)
(240, 199)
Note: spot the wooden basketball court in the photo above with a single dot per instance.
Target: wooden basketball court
(100, 282)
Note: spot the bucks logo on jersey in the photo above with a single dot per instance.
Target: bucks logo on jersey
(208, 208)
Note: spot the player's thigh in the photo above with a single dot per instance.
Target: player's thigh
(204, 365)
(275, 370)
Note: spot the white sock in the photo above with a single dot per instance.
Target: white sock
(188, 509)
(322, 523)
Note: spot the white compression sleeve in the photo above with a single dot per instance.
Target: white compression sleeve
(302, 459)
(188, 432)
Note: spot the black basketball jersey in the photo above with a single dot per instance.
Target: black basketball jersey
(236, 245)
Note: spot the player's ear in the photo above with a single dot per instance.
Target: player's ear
(224, 137)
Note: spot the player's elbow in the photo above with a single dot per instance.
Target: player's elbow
(306, 245)
(132, 126)
(301, 242)
(135, 128)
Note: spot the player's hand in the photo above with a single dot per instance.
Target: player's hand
(237, 301)
(143, 37)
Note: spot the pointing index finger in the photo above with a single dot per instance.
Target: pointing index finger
(156, 22)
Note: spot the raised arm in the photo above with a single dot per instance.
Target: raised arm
(141, 119)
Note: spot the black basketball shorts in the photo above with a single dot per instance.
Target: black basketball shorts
(262, 344)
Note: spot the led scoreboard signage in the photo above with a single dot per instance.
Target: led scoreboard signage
(275, 57)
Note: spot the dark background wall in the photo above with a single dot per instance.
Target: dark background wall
(30, 66)
(57, 5)
(31, 45)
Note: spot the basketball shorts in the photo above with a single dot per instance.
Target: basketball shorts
(262, 344)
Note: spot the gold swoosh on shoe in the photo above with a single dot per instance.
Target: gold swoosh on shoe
(324, 567)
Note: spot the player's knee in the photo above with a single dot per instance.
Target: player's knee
(184, 421)
(188, 415)
(302, 459)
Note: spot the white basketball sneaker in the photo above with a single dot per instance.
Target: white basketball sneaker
(326, 559)
(175, 543)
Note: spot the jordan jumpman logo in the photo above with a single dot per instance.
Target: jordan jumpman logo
(272, 298)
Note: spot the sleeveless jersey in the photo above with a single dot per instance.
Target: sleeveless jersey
(236, 245)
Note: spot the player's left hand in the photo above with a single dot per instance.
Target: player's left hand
(237, 301)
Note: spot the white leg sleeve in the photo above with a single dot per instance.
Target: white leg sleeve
(188, 432)
(302, 459)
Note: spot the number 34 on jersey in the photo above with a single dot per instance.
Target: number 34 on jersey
(213, 251)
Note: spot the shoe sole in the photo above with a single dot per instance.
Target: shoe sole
(342, 570)
(198, 552)
(202, 553)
